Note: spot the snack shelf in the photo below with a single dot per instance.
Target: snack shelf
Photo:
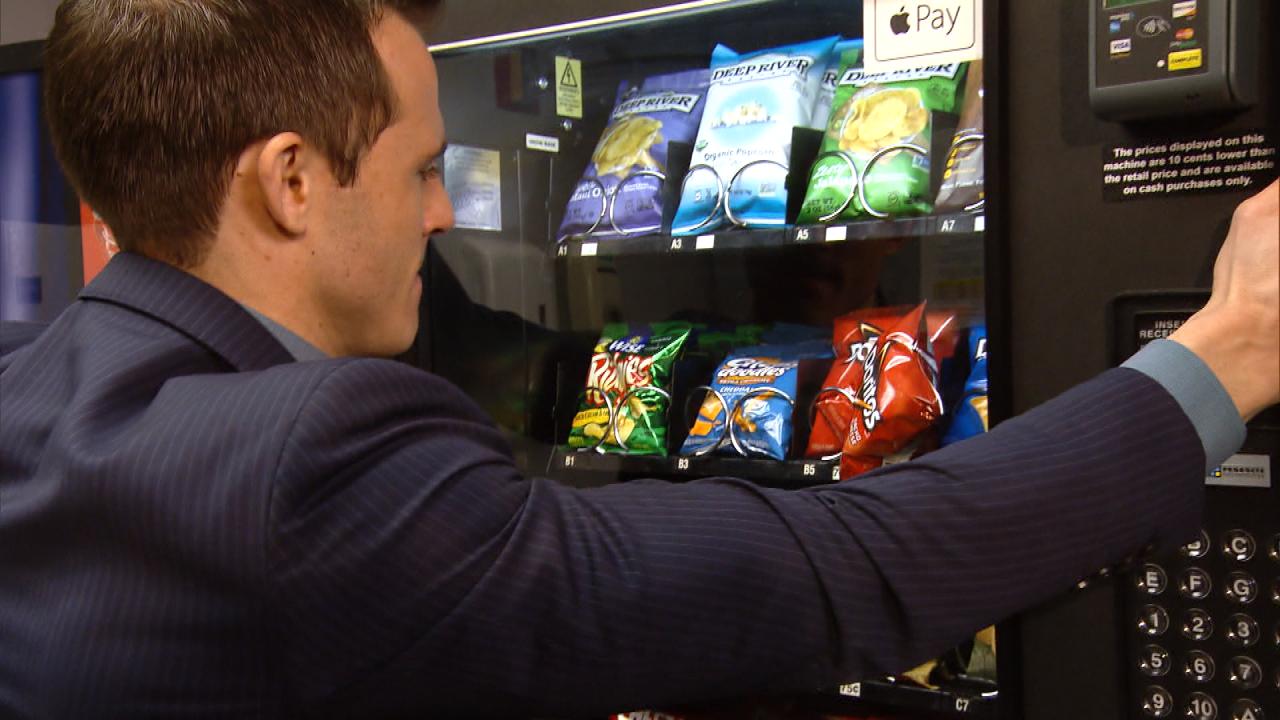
(931, 225)
(980, 701)
(790, 474)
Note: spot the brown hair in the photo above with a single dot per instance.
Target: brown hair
(151, 102)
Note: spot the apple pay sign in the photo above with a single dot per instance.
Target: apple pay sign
(899, 35)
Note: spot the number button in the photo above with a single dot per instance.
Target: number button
(1155, 661)
(1197, 548)
(1200, 667)
(1157, 702)
(1154, 621)
(1201, 707)
(1242, 631)
(1239, 545)
(1198, 625)
(1246, 710)
(1195, 584)
(1241, 588)
(1246, 674)
(1152, 580)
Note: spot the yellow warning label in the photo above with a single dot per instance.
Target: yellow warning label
(569, 87)
(1185, 60)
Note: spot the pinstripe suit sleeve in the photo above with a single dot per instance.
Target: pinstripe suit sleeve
(414, 569)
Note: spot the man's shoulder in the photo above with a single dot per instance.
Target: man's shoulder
(358, 387)
(16, 335)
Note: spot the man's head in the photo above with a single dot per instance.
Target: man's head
(288, 143)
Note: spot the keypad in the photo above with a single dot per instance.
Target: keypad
(1205, 626)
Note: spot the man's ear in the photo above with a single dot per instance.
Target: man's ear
(287, 179)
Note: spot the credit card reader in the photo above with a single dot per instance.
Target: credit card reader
(1161, 58)
(1202, 622)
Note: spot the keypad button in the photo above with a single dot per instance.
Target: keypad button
(1195, 584)
(1246, 710)
(1157, 702)
(1246, 674)
(1239, 545)
(1275, 636)
(1197, 626)
(1199, 667)
(1152, 580)
(1197, 548)
(1241, 588)
(1153, 621)
(1242, 631)
(1155, 661)
(1274, 550)
(1275, 591)
(1201, 707)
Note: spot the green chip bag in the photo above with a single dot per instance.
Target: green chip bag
(631, 367)
(873, 112)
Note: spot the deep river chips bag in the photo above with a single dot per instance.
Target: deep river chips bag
(621, 190)
(827, 90)
(963, 178)
(629, 358)
(873, 112)
(741, 159)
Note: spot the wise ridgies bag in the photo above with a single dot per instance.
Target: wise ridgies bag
(627, 395)
(621, 190)
(742, 156)
(872, 113)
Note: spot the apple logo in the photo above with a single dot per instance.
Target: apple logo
(900, 23)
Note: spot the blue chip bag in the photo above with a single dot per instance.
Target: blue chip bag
(970, 417)
(621, 190)
(756, 386)
(827, 91)
(741, 159)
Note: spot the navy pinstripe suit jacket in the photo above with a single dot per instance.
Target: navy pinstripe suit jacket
(191, 525)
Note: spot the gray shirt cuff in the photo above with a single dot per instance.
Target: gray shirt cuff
(1198, 392)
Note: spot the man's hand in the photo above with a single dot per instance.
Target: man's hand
(1237, 334)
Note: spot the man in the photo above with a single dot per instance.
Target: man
(192, 524)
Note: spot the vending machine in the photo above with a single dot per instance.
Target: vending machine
(650, 279)
(1080, 178)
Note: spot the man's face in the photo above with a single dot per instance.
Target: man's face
(364, 278)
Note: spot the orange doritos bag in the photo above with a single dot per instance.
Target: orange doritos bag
(898, 398)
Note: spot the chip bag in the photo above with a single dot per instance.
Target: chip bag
(963, 179)
(743, 153)
(632, 368)
(970, 417)
(898, 397)
(753, 392)
(621, 190)
(827, 90)
(856, 338)
(872, 113)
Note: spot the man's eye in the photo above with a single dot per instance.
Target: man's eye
(431, 172)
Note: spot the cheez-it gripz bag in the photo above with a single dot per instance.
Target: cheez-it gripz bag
(898, 399)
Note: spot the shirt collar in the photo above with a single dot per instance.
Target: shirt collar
(300, 349)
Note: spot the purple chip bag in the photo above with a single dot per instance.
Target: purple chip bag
(620, 193)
